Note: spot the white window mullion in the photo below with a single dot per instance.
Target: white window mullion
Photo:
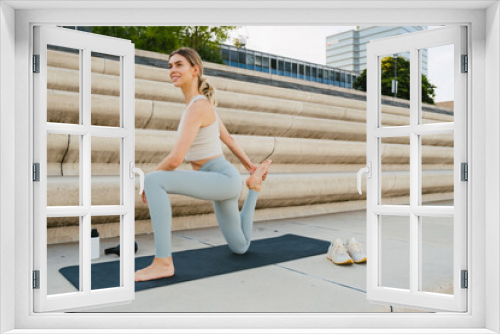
(80, 130)
(85, 163)
(127, 258)
(392, 210)
(372, 186)
(414, 168)
(389, 131)
(434, 128)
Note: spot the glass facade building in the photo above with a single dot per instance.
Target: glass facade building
(347, 50)
(288, 67)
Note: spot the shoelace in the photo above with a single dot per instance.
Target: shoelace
(355, 247)
(339, 249)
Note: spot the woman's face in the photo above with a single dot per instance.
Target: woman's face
(181, 71)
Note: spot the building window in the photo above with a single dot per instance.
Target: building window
(337, 78)
(234, 58)
(274, 66)
(301, 71)
(313, 74)
(288, 69)
(308, 73)
(265, 64)
(250, 61)
(242, 59)
(225, 55)
(258, 63)
(281, 67)
(294, 70)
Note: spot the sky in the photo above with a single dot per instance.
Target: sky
(308, 43)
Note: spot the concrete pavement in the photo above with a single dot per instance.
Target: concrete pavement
(311, 284)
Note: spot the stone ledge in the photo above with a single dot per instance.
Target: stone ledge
(70, 233)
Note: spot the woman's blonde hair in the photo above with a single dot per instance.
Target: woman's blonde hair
(194, 59)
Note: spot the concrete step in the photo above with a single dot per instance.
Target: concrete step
(63, 107)
(105, 66)
(279, 190)
(69, 231)
(152, 146)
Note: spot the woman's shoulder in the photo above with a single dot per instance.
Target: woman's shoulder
(201, 108)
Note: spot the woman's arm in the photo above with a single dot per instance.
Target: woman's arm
(234, 147)
(190, 126)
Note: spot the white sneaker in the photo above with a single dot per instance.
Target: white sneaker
(355, 250)
(337, 253)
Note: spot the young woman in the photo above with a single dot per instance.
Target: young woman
(213, 178)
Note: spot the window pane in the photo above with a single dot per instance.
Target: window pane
(437, 169)
(63, 85)
(395, 167)
(63, 250)
(273, 64)
(63, 170)
(437, 254)
(106, 91)
(265, 63)
(225, 54)
(108, 228)
(394, 252)
(234, 58)
(399, 88)
(105, 159)
(242, 57)
(250, 59)
(438, 84)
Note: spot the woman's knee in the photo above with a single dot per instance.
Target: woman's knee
(238, 248)
(152, 179)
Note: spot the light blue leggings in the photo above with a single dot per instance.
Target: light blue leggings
(216, 180)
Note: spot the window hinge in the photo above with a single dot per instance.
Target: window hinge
(36, 279)
(465, 279)
(36, 63)
(465, 172)
(465, 64)
(36, 172)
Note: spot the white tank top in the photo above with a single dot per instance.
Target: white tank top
(207, 142)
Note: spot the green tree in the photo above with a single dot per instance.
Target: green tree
(403, 77)
(204, 39)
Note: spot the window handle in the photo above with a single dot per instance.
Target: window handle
(368, 171)
(134, 170)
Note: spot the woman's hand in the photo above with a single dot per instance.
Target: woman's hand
(144, 200)
(252, 168)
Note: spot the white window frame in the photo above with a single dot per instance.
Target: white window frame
(484, 148)
(412, 214)
(124, 132)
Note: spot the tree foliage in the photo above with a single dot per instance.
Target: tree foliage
(204, 39)
(403, 77)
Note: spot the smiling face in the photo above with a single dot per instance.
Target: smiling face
(181, 71)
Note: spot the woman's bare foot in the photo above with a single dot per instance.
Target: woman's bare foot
(160, 268)
(254, 181)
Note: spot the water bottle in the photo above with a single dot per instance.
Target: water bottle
(95, 250)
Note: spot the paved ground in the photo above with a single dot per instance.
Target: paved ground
(311, 284)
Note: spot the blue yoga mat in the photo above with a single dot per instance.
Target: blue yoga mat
(206, 262)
